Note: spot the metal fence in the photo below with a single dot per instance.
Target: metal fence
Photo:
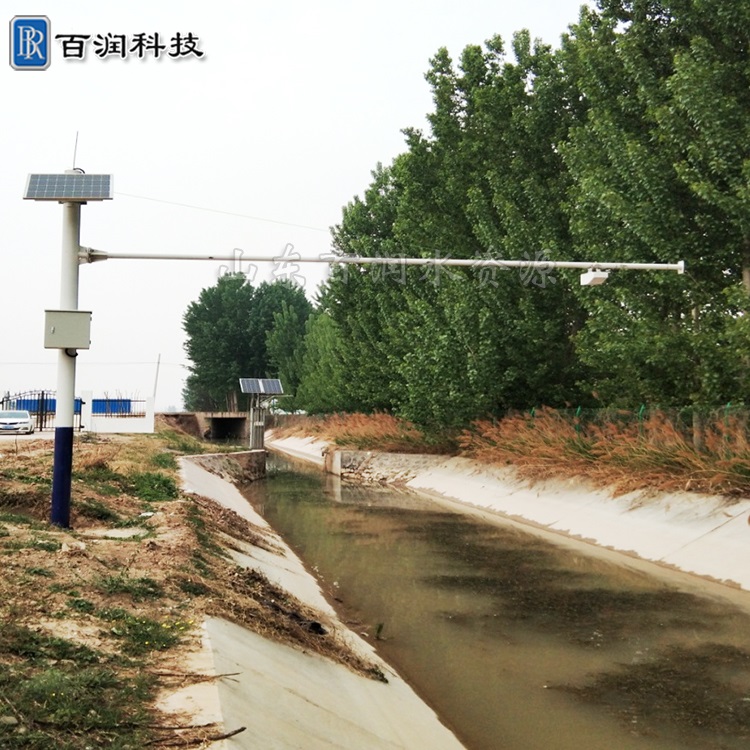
(118, 407)
(41, 405)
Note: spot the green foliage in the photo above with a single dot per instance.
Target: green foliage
(643, 190)
(285, 345)
(141, 635)
(182, 443)
(137, 589)
(164, 460)
(73, 708)
(193, 587)
(92, 508)
(323, 377)
(435, 345)
(41, 541)
(227, 332)
(44, 572)
(153, 486)
(81, 605)
(18, 640)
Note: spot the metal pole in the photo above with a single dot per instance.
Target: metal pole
(90, 255)
(156, 377)
(66, 371)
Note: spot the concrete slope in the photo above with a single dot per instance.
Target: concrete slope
(286, 698)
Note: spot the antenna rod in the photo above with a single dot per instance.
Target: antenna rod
(75, 151)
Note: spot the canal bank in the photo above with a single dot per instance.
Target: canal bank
(704, 535)
(282, 696)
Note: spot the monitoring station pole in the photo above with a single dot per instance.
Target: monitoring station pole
(66, 371)
(67, 329)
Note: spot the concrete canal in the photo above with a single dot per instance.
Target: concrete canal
(519, 643)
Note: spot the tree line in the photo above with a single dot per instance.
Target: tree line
(629, 142)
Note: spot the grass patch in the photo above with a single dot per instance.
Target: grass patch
(202, 534)
(192, 587)
(63, 588)
(142, 635)
(81, 605)
(25, 477)
(41, 543)
(153, 486)
(137, 589)
(19, 519)
(164, 461)
(102, 479)
(68, 708)
(36, 648)
(181, 442)
(43, 572)
(96, 509)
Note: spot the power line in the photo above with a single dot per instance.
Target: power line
(220, 211)
(103, 364)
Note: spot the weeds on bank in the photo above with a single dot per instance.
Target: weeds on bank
(181, 442)
(381, 432)
(650, 454)
(138, 589)
(140, 635)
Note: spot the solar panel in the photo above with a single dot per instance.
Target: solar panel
(265, 386)
(69, 187)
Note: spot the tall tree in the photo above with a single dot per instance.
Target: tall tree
(322, 387)
(655, 338)
(217, 344)
(285, 346)
(227, 330)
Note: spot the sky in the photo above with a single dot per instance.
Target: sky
(252, 148)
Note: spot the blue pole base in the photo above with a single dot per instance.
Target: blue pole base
(61, 477)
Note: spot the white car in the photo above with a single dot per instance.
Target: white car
(17, 420)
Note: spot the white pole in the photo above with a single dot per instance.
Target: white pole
(66, 371)
(156, 378)
(90, 255)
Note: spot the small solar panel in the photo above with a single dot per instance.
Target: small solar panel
(265, 386)
(69, 187)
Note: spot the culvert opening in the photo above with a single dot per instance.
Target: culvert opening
(228, 428)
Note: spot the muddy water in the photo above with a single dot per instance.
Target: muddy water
(517, 643)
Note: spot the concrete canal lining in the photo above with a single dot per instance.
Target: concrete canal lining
(282, 696)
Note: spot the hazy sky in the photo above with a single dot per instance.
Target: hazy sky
(256, 145)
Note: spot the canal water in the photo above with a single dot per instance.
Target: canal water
(519, 643)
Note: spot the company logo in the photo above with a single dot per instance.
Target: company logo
(30, 42)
